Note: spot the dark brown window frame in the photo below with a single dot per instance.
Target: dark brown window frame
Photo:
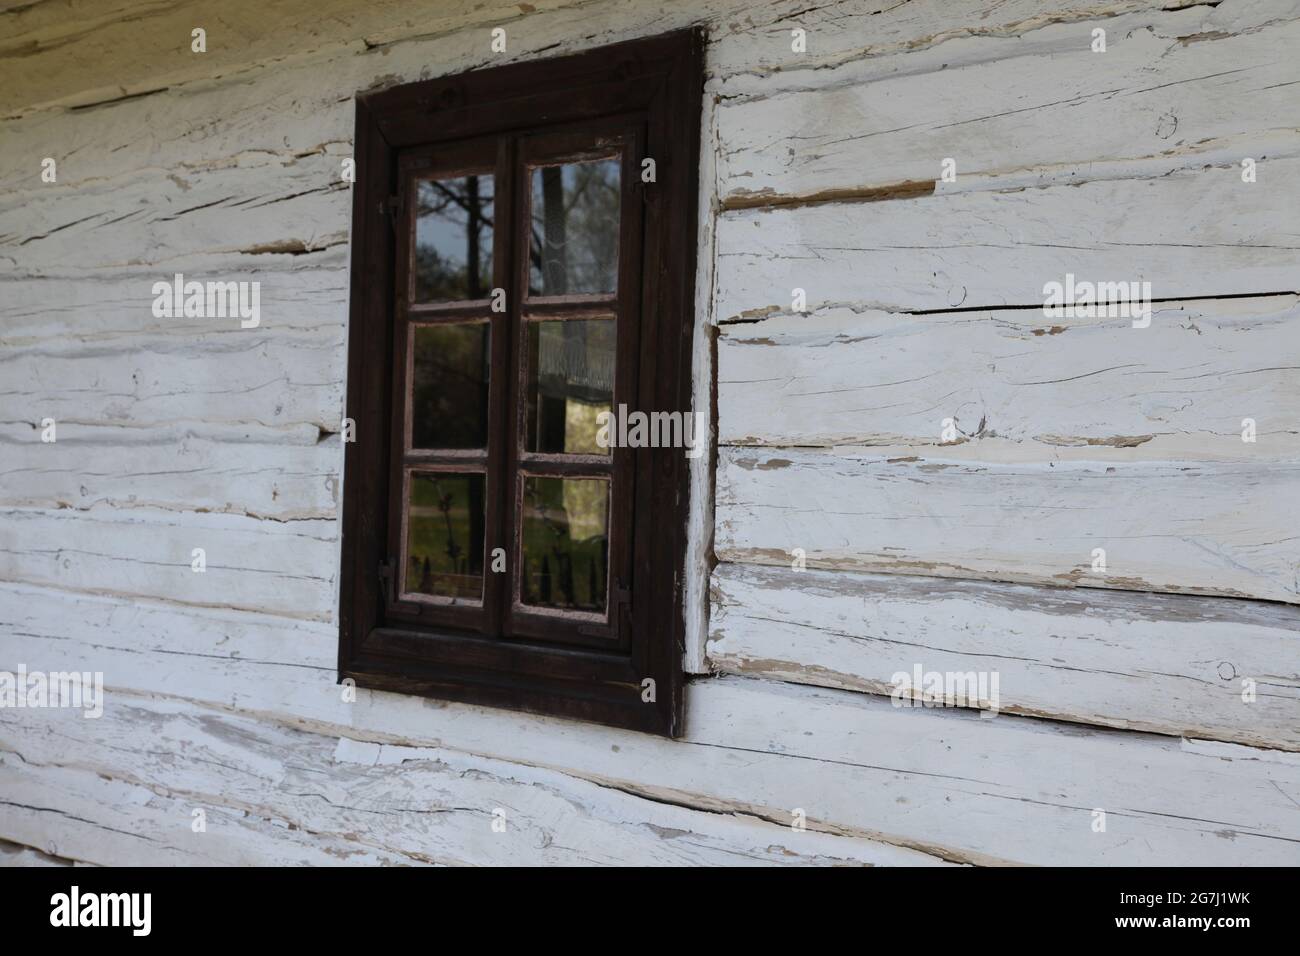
(646, 94)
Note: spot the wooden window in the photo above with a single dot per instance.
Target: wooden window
(523, 259)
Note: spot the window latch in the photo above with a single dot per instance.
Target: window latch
(392, 209)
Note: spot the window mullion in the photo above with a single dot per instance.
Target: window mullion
(505, 368)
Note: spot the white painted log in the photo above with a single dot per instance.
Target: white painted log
(137, 44)
(271, 118)
(750, 48)
(98, 818)
(243, 376)
(206, 650)
(973, 766)
(1041, 100)
(252, 662)
(1010, 789)
(15, 855)
(274, 108)
(93, 54)
(1181, 388)
(278, 110)
(1225, 529)
(284, 568)
(105, 307)
(1192, 233)
(220, 218)
(1171, 664)
(282, 474)
(271, 795)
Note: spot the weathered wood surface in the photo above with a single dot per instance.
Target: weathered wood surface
(1200, 232)
(275, 113)
(855, 764)
(224, 214)
(704, 377)
(138, 47)
(752, 48)
(1040, 104)
(114, 306)
(208, 220)
(257, 376)
(226, 165)
(285, 568)
(1178, 389)
(15, 854)
(285, 474)
(272, 795)
(1192, 527)
(1156, 662)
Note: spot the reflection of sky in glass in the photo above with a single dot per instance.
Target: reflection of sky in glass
(442, 236)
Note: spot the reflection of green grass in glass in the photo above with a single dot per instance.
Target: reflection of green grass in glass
(565, 543)
(444, 536)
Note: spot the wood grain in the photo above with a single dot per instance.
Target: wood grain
(1040, 105)
(272, 795)
(286, 568)
(176, 434)
(1016, 383)
(1165, 526)
(287, 474)
(1163, 663)
(257, 376)
(857, 765)
(1199, 232)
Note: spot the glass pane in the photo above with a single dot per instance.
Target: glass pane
(565, 543)
(453, 239)
(575, 228)
(449, 369)
(444, 535)
(570, 381)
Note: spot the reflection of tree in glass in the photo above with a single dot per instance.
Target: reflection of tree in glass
(574, 246)
(453, 239)
(570, 380)
(453, 549)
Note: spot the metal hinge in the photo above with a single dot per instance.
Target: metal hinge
(393, 208)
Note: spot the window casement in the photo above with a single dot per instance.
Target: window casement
(523, 259)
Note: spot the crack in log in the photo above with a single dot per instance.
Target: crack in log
(753, 316)
(114, 100)
(768, 199)
(742, 812)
